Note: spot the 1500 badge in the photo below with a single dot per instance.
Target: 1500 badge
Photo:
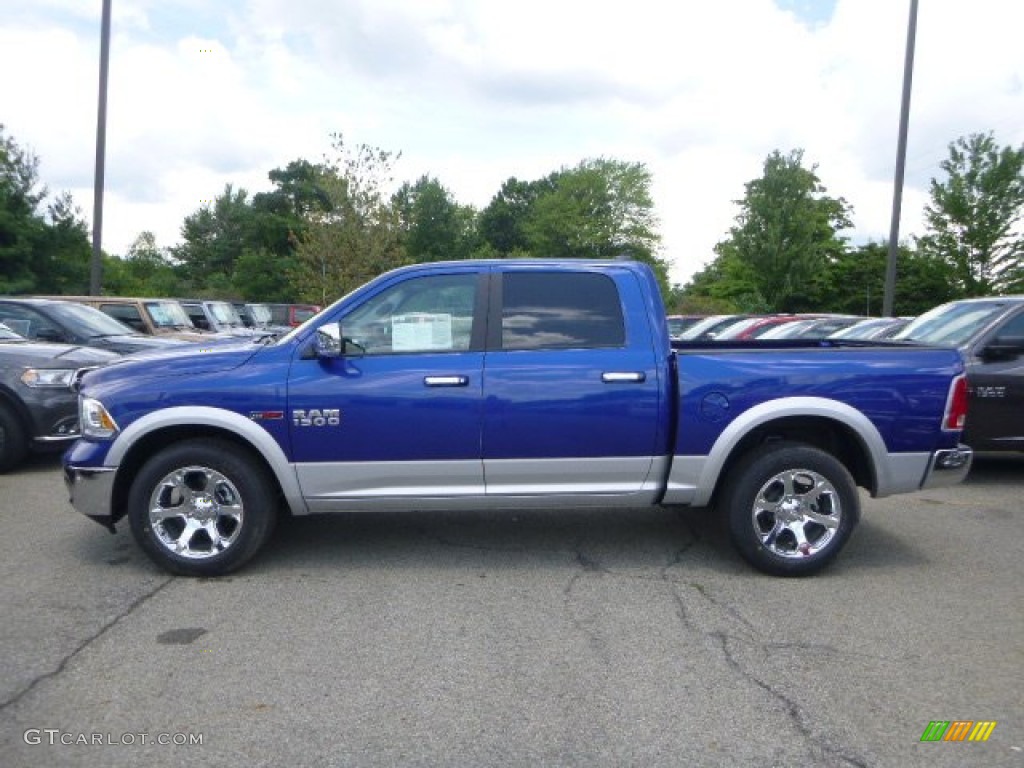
(990, 391)
(327, 417)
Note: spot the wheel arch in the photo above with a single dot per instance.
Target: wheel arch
(829, 425)
(17, 406)
(145, 437)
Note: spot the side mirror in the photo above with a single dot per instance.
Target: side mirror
(329, 343)
(1004, 348)
(50, 334)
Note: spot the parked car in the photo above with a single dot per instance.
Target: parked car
(218, 317)
(709, 327)
(990, 334)
(873, 328)
(292, 315)
(679, 323)
(755, 327)
(38, 401)
(259, 316)
(155, 317)
(811, 328)
(68, 322)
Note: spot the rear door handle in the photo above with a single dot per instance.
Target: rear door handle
(446, 381)
(624, 377)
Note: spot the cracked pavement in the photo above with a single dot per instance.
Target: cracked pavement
(569, 638)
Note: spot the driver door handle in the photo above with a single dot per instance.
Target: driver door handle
(624, 377)
(446, 381)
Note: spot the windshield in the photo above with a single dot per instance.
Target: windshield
(786, 330)
(302, 314)
(260, 313)
(701, 326)
(735, 329)
(90, 321)
(168, 314)
(950, 324)
(224, 313)
(6, 334)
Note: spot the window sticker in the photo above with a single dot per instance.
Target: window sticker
(417, 331)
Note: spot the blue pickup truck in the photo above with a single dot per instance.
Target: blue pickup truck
(508, 385)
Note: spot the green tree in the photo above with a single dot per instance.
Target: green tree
(20, 225)
(435, 227)
(145, 270)
(856, 281)
(359, 236)
(785, 235)
(40, 251)
(727, 284)
(974, 217)
(214, 237)
(63, 250)
(298, 190)
(600, 209)
(502, 224)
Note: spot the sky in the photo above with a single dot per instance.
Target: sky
(472, 92)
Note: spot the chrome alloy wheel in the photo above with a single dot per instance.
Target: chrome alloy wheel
(196, 512)
(796, 513)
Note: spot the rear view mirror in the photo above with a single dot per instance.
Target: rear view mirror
(329, 343)
(1004, 348)
(50, 334)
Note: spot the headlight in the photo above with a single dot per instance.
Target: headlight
(48, 377)
(94, 419)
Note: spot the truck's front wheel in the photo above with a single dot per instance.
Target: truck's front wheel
(790, 507)
(201, 508)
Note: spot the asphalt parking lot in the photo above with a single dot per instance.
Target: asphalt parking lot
(544, 639)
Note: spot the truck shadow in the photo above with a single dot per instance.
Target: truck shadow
(647, 543)
(627, 539)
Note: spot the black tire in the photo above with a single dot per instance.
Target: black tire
(794, 531)
(212, 498)
(13, 440)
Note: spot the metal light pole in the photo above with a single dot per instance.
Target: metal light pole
(901, 161)
(96, 270)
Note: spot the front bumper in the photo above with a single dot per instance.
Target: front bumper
(948, 466)
(90, 491)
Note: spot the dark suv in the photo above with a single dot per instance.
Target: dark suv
(70, 323)
(38, 403)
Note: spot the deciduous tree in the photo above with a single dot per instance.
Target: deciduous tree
(787, 233)
(975, 215)
(20, 224)
(434, 226)
(359, 235)
(145, 270)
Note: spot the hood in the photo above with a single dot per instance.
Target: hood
(180, 360)
(137, 342)
(13, 353)
(194, 334)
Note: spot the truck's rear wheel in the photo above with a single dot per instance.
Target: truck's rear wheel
(201, 507)
(790, 507)
(13, 440)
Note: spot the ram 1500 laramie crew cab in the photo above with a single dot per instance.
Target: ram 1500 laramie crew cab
(508, 385)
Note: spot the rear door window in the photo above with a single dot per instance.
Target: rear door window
(553, 310)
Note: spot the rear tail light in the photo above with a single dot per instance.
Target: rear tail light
(955, 418)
